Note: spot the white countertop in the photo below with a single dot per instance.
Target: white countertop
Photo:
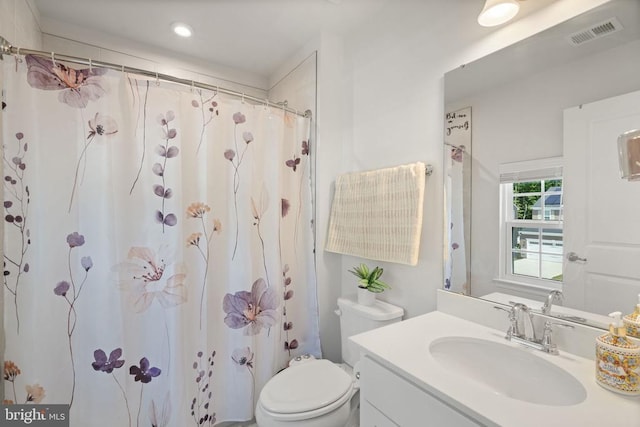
(404, 348)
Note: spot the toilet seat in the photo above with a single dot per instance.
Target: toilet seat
(306, 391)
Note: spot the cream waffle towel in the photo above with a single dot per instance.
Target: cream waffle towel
(378, 214)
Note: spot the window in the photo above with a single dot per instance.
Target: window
(531, 222)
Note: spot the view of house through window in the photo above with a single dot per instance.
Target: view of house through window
(534, 225)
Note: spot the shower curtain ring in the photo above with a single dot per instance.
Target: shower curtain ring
(243, 97)
(157, 79)
(90, 66)
(53, 59)
(192, 86)
(17, 58)
(122, 70)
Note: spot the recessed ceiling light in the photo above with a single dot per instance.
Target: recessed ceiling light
(183, 30)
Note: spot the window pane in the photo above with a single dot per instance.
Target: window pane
(552, 201)
(527, 187)
(524, 207)
(525, 239)
(525, 257)
(525, 263)
(551, 267)
(537, 252)
(553, 185)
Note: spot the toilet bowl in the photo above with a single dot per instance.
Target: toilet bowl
(320, 393)
(316, 393)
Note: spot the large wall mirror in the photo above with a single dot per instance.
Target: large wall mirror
(533, 192)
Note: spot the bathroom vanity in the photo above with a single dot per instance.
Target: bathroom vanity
(439, 369)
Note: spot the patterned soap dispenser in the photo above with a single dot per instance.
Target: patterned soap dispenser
(618, 359)
(632, 321)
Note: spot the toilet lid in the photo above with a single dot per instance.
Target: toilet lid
(305, 387)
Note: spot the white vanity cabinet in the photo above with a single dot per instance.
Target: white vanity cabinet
(403, 384)
(388, 400)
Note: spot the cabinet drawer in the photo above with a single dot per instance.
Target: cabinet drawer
(404, 403)
(370, 416)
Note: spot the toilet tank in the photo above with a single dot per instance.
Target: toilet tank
(356, 318)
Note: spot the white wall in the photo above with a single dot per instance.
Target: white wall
(19, 23)
(385, 94)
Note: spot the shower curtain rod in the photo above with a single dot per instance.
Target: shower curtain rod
(7, 48)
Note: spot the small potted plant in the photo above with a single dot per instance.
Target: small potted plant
(369, 283)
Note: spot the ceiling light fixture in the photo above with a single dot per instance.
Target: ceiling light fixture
(496, 12)
(183, 30)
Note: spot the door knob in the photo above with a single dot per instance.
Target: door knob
(573, 257)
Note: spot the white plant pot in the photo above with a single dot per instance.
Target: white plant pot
(366, 297)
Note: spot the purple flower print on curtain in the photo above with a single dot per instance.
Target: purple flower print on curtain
(77, 87)
(198, 210)
(100, 125)
(70, 291)
(457, 153)
(251, 310)
(108, 365)
(293, 165)
(211, 108)
(258, 209)
(165, 151)
(143, 139)
(236, 160)
(103, 364)
(149, 276)
(201, 405)
(16, 207)
(243, 359)
(143, 373)
(287, 325)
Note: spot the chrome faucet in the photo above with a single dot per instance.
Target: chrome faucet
(524, 317)
(522, 330)
(554, 296)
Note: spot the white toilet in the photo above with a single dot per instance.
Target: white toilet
(319, 393)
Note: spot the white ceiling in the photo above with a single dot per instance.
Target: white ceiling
(256, 36)
(249, 35)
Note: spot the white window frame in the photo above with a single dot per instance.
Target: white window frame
(532, 170)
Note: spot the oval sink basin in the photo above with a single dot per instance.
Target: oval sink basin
(508, 371)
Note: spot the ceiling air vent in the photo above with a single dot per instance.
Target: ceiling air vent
(596, 31)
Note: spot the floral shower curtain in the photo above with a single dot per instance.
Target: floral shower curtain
(158, 250)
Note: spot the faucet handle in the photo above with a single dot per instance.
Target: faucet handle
(554, 296)
(513, 321)
(508, 310)
(548, 345)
